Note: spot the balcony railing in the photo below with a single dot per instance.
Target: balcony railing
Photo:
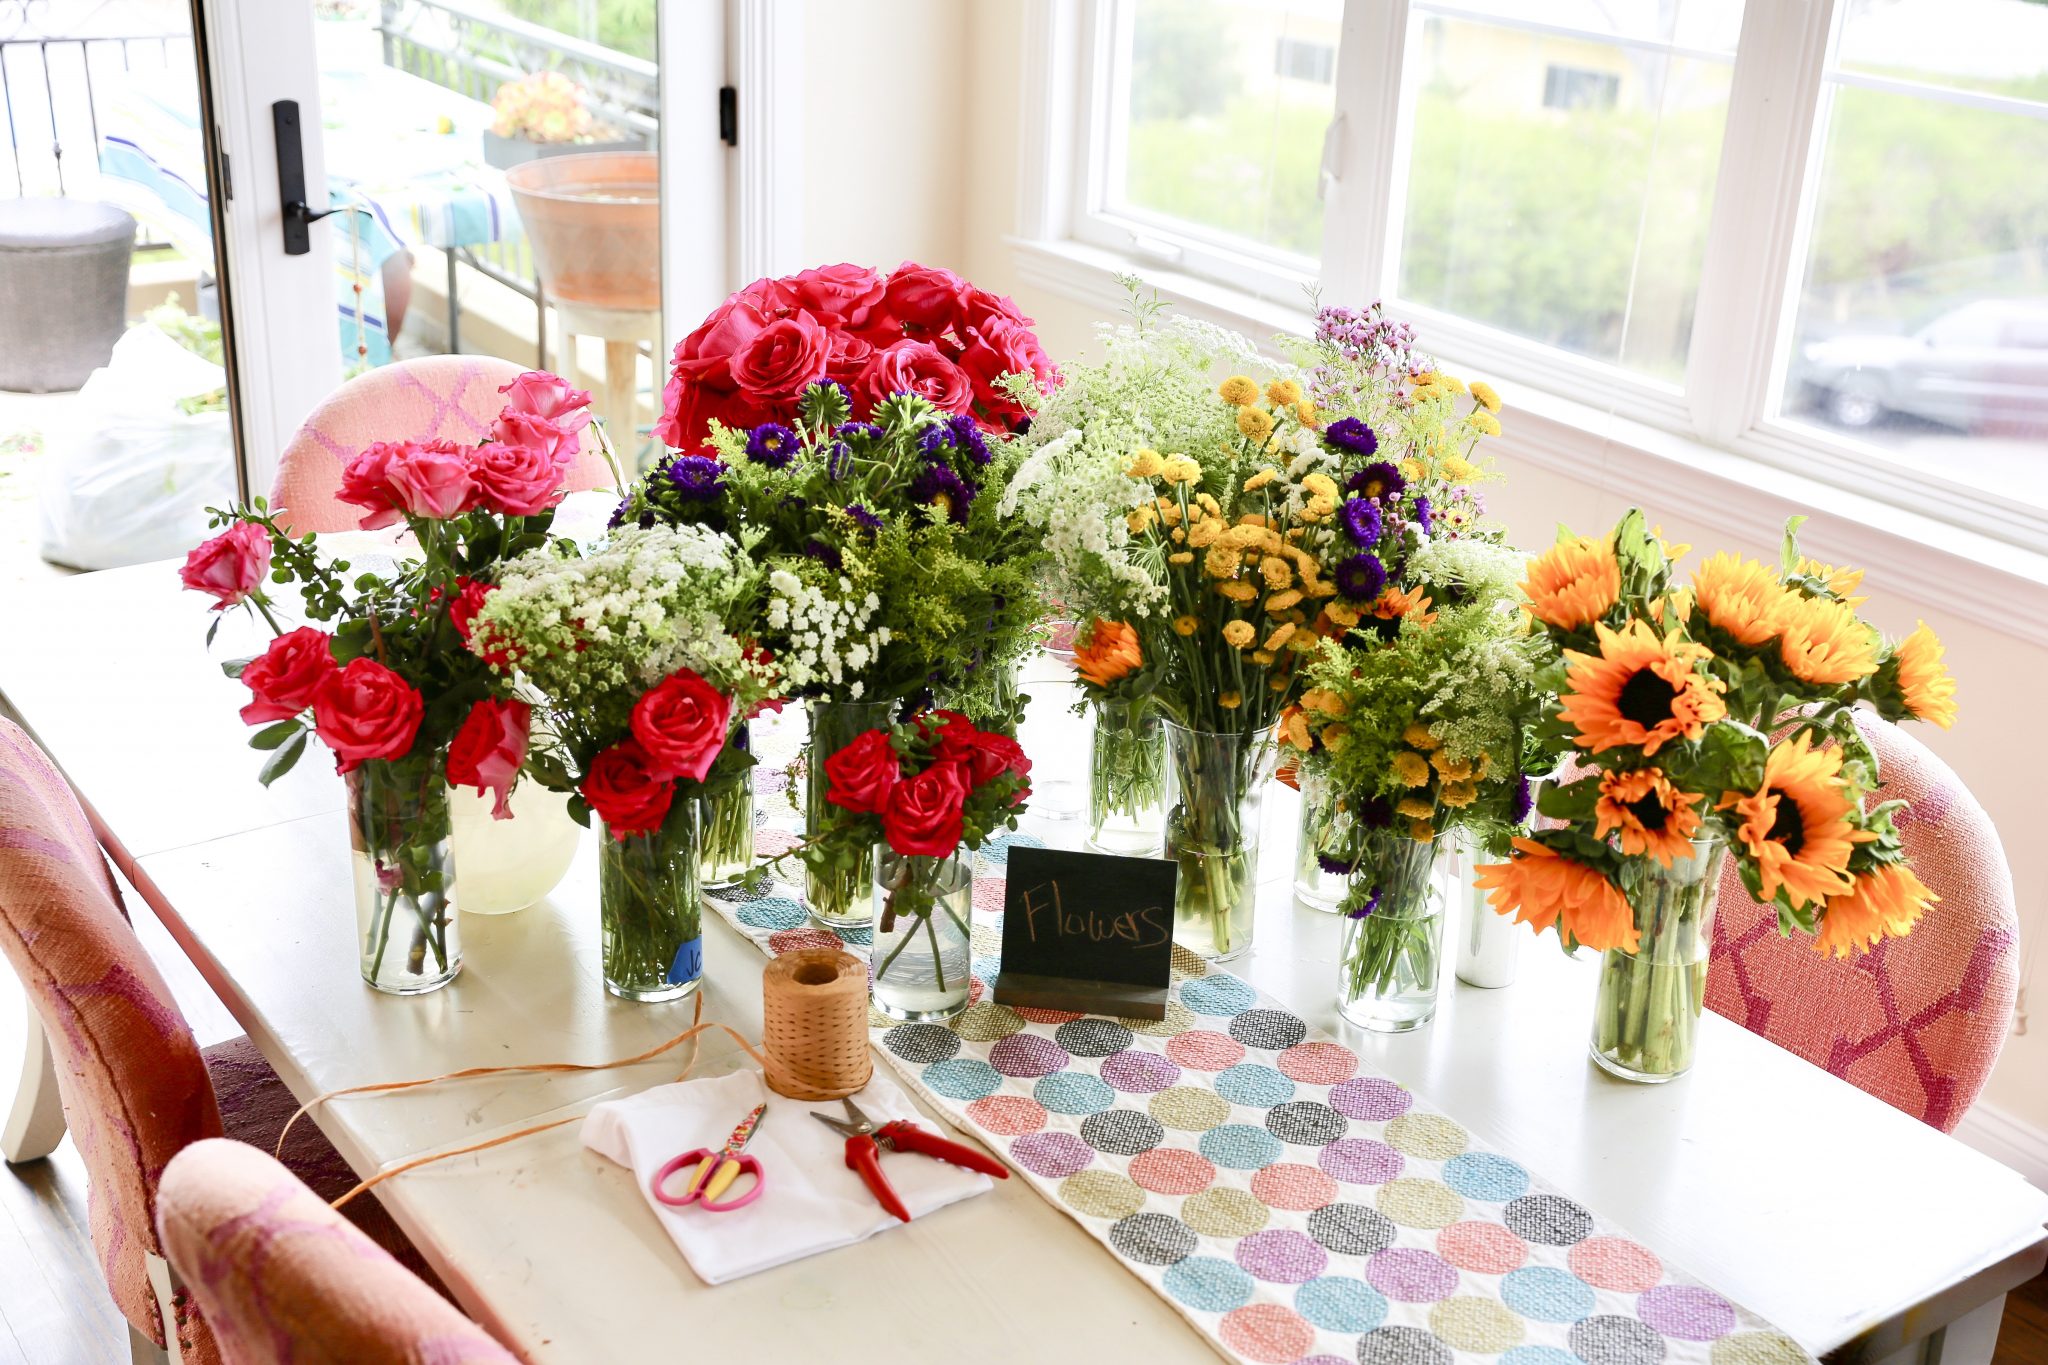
(46, 96)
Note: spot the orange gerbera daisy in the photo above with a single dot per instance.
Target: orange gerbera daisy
(1573, 583)
(1741, 597)
(1885, 903)
(1654, 817)
(1825, 642)
(1796, 826)
(1394, 604)
(1110, 652)
(1543, 888)
(1924, 680)
(1638, 689)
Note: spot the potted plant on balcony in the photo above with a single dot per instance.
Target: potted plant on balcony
(543, 114)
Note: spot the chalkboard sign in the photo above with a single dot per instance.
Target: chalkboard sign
(1087, 932)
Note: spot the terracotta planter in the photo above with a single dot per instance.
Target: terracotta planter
(594, 220)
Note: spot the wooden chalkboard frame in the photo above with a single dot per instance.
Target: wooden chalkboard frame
(1108, 952)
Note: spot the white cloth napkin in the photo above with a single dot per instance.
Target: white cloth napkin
(812, 1203)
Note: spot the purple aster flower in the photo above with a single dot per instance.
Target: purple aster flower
(863, 517)
(1423, 516)
(934, 442)
(1377, 480)
(1375, 812)
(1525, 801)
(697, 478)
(1360, 578)
(1368, 907)
(1352, 436)
(772, 444)
(619, 513)
(967, 436)
(1336, 867)
(1363, 520)
(824, 554)
(867, 429)
(938, 481)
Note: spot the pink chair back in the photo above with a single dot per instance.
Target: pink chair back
(283, 1278)
(439, 397)
(1917, 1021)
(135, 1090)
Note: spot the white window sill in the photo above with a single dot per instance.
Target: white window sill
(1905, 553)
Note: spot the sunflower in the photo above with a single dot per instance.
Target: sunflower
(1110, 652)
(1796, 828)
(1881, 904)
(1654, 817)
(1826, 643)
(1841, 582)
(1543, 888)
(1395, 604)
(1742, 597)
(1924, 681)
(1573, 583)
(1638, 690)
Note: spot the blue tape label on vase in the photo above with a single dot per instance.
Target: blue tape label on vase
(689, 962)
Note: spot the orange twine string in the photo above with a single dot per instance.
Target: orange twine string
(688, 1035)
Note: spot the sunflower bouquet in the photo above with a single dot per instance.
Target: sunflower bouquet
(1708, 720)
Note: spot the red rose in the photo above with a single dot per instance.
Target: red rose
(999, 346)
(850, 355)
(682, 724)
(548, 395)
(228, 567)
(705, 355)
(623, 789)
(781, 359)
(552, 440)
(861, 775)
(517, 480)
(487, 751)
(925, 299)
(982, 306)
(366, 711)
(923, 815)
(985, 754)
(846, 294)
(914, 367)
(287, 677)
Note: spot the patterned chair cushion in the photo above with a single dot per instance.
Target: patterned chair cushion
(1918, 1021)
(283, 1278)
(442, 397)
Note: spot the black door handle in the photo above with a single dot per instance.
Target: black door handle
(291, 179)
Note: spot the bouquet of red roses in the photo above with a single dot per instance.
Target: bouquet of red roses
(392, 689)
(920, 330)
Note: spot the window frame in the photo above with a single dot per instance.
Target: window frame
(1780, 96)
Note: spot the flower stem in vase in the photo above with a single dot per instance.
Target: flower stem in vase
(1393, 940)
(404, 874)
(650, 912)
(839, 894)
(1212, 834)
(1126, 780)
(727, 825)
(1646, 1016)
(922, 935)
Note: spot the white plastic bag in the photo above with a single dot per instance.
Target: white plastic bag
(130, 480)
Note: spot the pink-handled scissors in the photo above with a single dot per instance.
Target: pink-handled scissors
(716, 1172)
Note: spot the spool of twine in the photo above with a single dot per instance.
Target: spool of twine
(814, 1007)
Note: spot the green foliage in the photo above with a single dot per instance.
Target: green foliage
(626, 26)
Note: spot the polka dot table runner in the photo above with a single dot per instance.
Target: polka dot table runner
(1294, 1207)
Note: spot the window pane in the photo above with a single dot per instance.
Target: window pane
(1999, 46)
(1224, 107)
(1560, 184)
(1922, 310)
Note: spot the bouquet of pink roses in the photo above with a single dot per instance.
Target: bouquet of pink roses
(393, 689)
(920, 330)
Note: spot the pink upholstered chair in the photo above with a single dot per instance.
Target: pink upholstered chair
(135, 1086)
(283, 1278)
(440, 397)
(1918, 1021)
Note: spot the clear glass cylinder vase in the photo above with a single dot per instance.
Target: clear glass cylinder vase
(648, 906)
(1392, 959)
(921, 951)
(1215, 782)
(725, 816)
(838, 897)
(1647, 1015)
(1126, 780)
(1327, 846)
(404, 871)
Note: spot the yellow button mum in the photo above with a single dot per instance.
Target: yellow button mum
(1180, 469)
(1412, 769)
(1145, 464)
(1238, 634)
(1485, 397)
(1283, 393)
(1254, 424)
(1238, 390)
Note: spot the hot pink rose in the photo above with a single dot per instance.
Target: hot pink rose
(999, 346)
(705, 355)
(432, 480)
(781, 359)
(228, 567)
(487, 751)
(367, 711)
(914, 367)
(843, 294)
(286, 678)
(681, 724)
(925, 299)
(366, 483)
(516, 480)
(551, 439)
(982, 305)
(548, 395)
(850, 355)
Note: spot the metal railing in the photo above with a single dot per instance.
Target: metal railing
(473, 52)
(47, 99)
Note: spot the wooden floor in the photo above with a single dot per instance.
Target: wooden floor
(2023, 1336)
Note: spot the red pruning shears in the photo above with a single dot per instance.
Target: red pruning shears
(863, 1141)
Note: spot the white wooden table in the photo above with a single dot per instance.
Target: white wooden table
(1853, 1227)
